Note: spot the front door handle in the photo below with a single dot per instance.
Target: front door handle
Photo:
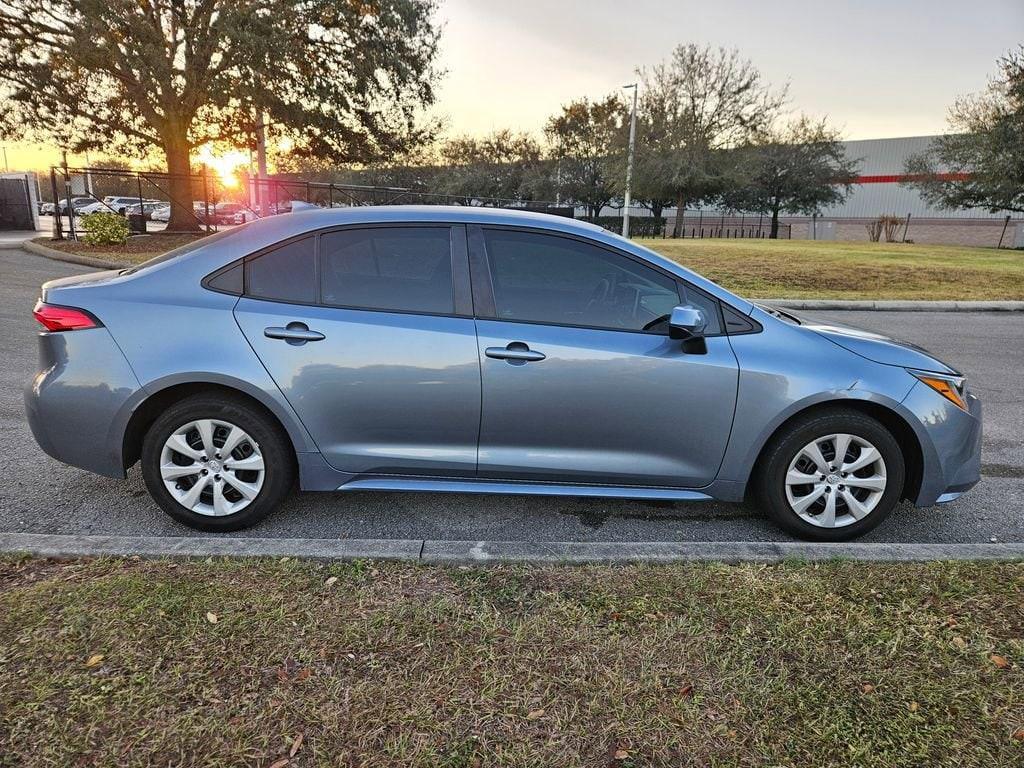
(515, 352)
(294, 333)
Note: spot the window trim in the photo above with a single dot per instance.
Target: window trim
(461, 300)
(478, 253)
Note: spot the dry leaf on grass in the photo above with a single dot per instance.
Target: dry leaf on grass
(686, 689)
(211, 617)
(535, 714)
(296, 746)
(914, 706)
(999, 661)
(959, 642)
(95, 660)
(331, 581)
(867, 688)
(1018, 734)
(621, 754)
(279, 763)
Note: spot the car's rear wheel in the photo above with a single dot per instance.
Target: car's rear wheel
(215, 463)
(831, 476)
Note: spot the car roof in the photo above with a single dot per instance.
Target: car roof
(265, 232)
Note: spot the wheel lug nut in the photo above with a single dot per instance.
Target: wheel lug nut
(206, 472)
(204, 459)
(217, 478)
(842, 487)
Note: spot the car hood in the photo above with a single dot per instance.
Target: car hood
(878, 347)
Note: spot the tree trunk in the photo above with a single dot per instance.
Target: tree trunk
(677, 227)
(657, 209)
(774, 234)
(180, 186)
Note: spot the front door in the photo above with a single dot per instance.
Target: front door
(581, 381)
(365, 343)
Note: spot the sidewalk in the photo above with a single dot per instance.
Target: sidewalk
(17, 238)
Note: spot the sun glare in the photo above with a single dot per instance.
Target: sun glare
(224, 164)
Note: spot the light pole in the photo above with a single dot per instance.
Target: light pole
(7, 168)
(629, 162)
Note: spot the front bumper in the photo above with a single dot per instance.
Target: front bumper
(950, 443)
(77, 400)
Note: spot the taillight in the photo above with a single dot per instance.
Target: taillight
(55, 318)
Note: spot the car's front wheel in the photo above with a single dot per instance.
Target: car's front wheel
(831, 476)
(215, 463)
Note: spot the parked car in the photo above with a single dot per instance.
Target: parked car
(47, 209)
(77, 204)
(146, 209)
(234, 213)
(479, 350)
(161, 213)
(110, 204)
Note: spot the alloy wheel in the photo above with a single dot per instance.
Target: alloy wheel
(835, 480)
(212, 467)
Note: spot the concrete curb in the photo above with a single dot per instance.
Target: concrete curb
(483, 552)
(71, 258)
(892, 305)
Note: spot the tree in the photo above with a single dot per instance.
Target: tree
(797, 167)
(699, 103)
(496, 166)
(981, 163)
(340, 78)
(583, 138)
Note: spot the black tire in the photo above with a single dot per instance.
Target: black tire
(273, 442)
(770, 485)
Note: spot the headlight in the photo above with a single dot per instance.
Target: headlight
(952, 388)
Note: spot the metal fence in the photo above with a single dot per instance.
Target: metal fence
(205, 199)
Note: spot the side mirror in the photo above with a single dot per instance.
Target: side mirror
(686, 322)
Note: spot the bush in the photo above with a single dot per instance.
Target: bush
(103, 228)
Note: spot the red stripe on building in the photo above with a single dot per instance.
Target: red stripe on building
(898, 177)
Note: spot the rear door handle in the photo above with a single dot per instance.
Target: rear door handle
(294, 333)
(515, 352)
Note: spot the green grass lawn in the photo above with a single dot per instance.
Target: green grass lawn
(231, 663)
(841, 270)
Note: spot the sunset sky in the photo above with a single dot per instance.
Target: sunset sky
(875, 68)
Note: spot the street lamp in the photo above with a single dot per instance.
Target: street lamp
(7, 168)
(629, 161)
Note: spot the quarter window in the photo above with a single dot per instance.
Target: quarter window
(559, 280)
(287, 273)
(403, 269)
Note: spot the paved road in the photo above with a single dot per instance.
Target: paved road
(39, 495)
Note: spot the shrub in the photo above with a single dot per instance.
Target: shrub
(103, 228)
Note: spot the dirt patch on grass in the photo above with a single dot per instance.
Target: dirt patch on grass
(229, 663)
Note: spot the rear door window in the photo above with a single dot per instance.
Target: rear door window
(398, 269)
(286, 273)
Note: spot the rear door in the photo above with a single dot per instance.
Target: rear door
(368, 331)
(581, 381)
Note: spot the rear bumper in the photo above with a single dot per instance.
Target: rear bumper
(77, 400)
(951, 445)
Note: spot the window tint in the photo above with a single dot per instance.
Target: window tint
(287, 273)
(405, 269)
(550, 279)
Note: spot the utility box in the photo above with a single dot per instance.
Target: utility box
(822, 230)
(19, 201)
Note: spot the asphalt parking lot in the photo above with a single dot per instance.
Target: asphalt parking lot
(39, 495)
